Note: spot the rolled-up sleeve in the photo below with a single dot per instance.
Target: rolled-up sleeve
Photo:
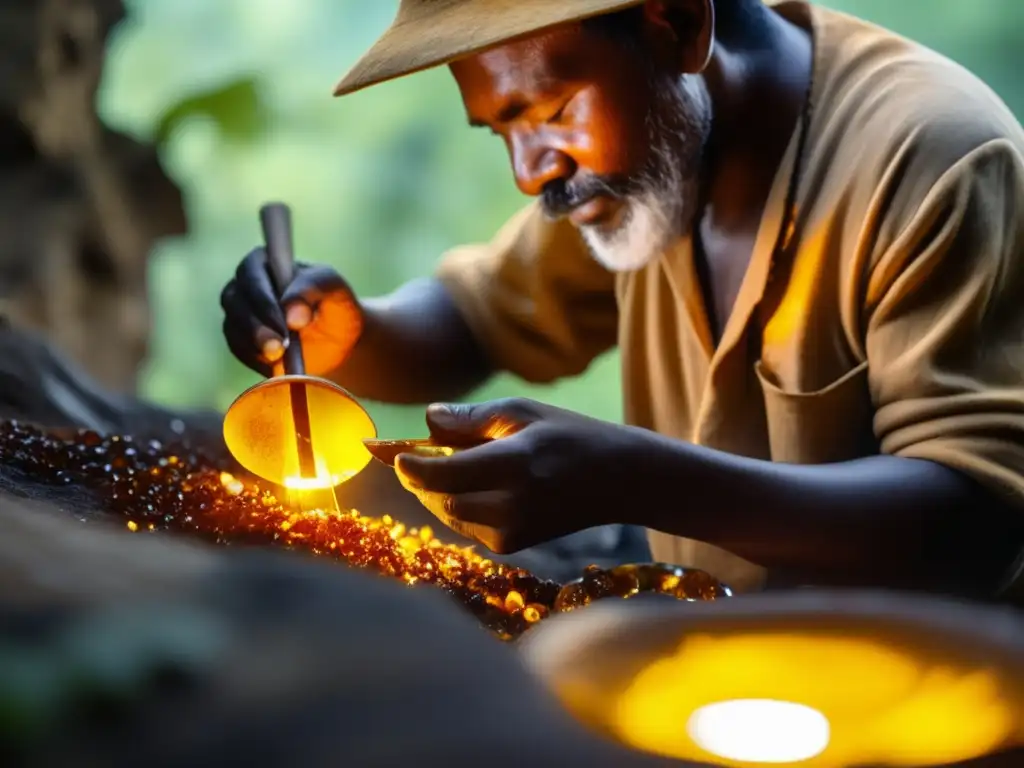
(541, 307)
(945, 329)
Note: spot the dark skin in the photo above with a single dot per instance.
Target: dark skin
(570, 101)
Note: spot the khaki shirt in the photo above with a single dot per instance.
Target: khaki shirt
(892, 323)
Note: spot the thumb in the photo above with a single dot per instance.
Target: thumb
(455, 424)
(314, 284)
(465, 424)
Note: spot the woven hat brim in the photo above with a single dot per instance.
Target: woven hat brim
(444, 32)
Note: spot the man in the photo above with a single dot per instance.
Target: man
(804, 233)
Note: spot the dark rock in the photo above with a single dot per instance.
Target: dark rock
(118, 650)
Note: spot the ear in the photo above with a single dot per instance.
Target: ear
(691, 25)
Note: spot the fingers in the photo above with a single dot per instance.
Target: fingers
(244, 350)
(479, 516)
(471, 492)
(461, 423)
(311, 287)
(253, 343)
(253, 286)
(484, 517)
(257, 320)
(497, 464)
(253, 322)
(323, 293)
(490, 509)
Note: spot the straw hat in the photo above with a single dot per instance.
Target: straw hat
(426, 33)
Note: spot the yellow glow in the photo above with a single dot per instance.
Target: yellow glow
(259, 430)
(388, 451)
(882, 706)
(318, 483)
(323, 480)
(759, 730)
(791, 312)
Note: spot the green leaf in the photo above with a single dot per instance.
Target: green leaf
(236, 108)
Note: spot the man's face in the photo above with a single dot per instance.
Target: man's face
(600, 131)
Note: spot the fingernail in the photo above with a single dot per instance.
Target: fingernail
(298, 316)
(402, 465)
(272, 350)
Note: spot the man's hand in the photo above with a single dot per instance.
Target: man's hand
(541, 472)
(318, 304)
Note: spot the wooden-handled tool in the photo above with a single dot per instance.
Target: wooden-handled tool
(276, 221)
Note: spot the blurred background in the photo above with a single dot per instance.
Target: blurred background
(208, 109)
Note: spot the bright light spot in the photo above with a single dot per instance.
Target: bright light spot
(320, 482)
(231, 484)
(759, 731)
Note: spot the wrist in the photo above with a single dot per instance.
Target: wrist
(679, 489)
(647, 469)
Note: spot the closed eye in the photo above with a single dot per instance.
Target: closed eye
(560, 114)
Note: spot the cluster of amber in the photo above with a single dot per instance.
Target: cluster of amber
(162, 487)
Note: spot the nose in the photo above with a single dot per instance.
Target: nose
(535, 163)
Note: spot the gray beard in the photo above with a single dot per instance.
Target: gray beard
(662, 209)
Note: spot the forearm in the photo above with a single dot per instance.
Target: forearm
(415, 349)
(878, 521)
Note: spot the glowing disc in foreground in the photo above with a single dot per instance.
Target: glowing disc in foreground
(759, 730)
(815, 679)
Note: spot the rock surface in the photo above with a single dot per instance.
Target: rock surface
(125, 650)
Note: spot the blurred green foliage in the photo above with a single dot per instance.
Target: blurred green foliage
(238, 95)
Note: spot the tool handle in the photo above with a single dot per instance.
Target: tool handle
(276, 220)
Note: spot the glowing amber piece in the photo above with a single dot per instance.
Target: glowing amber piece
(626, 581)
(259, 430)
(534, 613)
(388, 451)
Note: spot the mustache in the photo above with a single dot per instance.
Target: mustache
(560, 197)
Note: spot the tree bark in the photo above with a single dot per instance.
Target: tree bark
(81, 206)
